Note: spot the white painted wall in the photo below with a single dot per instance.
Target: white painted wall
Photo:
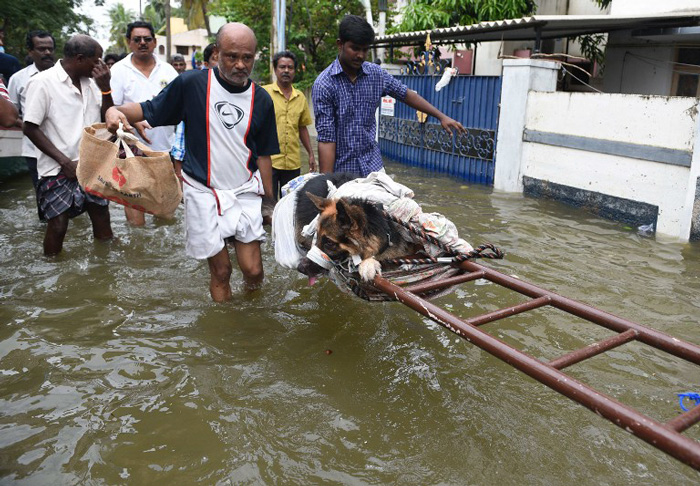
(519, 77)
(643, 7)
(192, 39)
(568, 7)
(487, 61)
(586, 7)
(669, 122)
(637, 66)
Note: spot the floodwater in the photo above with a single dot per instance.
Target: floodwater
(115, 367)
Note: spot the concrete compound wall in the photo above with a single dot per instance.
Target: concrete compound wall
(646, 7)
(627, 157)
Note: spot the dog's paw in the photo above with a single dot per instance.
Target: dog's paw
(369, 268)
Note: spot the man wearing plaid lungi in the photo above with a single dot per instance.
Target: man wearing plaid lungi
(61, 101)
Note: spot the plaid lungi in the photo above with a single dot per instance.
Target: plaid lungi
(59, 194)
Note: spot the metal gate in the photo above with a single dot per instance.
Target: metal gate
(471, 100)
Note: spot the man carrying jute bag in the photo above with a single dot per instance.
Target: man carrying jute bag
(144, 182)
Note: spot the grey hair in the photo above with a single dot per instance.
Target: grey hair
(80, 44)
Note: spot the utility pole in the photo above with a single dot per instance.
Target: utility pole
(383, 7)
(368, 14)
(273, 36)
(281, 13)
(168, 34)
(278, 30)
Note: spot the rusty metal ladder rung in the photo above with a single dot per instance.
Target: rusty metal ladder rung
(666, 437)
(594, 349)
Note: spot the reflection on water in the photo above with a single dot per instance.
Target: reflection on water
(115, 367)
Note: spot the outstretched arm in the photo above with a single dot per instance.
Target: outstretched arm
(127, 114)
(416, 101)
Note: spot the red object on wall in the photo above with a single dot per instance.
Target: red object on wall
(462, 60)
(526, 53)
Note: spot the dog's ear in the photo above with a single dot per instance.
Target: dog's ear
(343, 217)
(350, 216)
(320, 202)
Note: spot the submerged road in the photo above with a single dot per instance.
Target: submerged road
(115, 367)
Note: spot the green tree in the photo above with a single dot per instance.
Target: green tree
(311, 31)
(56, 16)
(119, 18)
(433, 14)
(155, 14)
(590, 44)
(257, 16)
(196, 14)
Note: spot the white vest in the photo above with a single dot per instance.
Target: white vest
(228, 123)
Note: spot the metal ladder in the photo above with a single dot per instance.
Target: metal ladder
(666, 437)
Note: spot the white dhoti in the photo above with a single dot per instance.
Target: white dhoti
(211, 215)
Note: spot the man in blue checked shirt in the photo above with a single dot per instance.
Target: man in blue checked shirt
(347, 94)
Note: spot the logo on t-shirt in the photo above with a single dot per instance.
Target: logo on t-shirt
(229, 114)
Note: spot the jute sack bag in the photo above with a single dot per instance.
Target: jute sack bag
(144, 182)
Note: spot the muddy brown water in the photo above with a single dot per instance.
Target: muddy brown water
(115, 367)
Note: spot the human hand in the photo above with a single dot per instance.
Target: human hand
(68, 167)
(449, 124)
(313, 167)
(101, 75)
(141, 127)
(268, 207)
(114, 117)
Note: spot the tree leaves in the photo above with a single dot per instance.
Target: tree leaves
(56, 16)
(433, 14)
(119, 18)
(312, 28)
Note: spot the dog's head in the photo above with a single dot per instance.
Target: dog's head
(343, 228)
(312, 270)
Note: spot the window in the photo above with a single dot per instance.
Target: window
(184, 50)
(686, 72)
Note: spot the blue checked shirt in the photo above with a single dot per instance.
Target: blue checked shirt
(178, 150)
(345, 114)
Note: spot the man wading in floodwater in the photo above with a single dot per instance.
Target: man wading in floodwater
(230, 133)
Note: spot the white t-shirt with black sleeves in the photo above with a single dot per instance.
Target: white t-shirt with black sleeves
(226, 127)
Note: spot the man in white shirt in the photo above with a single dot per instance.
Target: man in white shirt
(138, 77)
(60, 102)
(40, 45)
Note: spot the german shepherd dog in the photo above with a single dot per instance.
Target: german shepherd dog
(347, 228)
